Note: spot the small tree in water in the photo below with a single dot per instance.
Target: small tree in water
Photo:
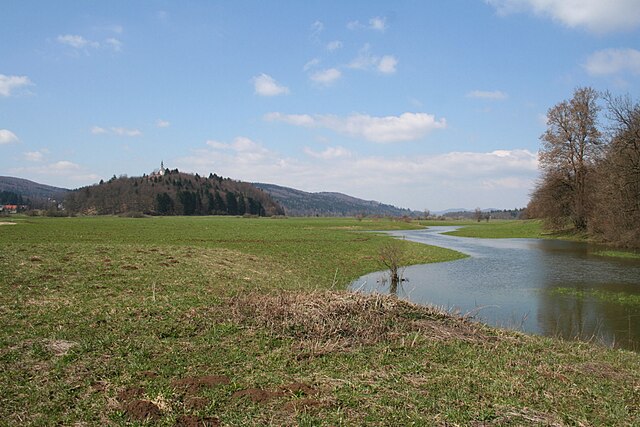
(392, 255)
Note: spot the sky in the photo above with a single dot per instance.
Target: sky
(421, 104)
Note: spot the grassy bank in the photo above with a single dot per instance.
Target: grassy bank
(242, 322)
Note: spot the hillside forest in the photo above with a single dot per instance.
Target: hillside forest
(171, 192)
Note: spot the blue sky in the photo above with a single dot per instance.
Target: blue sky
(422, 104)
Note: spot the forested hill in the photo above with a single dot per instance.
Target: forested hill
(29, 189)
(172, 193)
(301, 203)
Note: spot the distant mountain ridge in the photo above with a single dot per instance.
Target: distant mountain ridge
(302, 203)
(31, 189)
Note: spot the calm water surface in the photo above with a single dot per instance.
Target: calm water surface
(509, 283)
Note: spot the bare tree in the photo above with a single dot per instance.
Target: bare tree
(617, 212)
(478, 214)
(392, 256)
(570, 147)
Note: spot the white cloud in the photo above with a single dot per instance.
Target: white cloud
(368, 61)
(76, 41)
(613, 61)
(328, 153)
(119, 131)
(500, 178)
(599, 16)
(483, 94)
(311, 64)
(7, 137)
(126, 132)
(405, 127)
(354, 25)
(10, 83)
(265, 85)
(114, 43)
(326, 77)
(34, 156)
(162, 123)
(378, 23)
(387, 64)
(97, 130)
(316, 28)
(334, 45)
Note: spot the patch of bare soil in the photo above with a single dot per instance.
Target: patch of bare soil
(7, 223)
(141, 410)
(257, 395)
(325, 322)
(195, 403)
(303, 404)
(195, 421)
(192, 385)
(130, 393)
(299, 389)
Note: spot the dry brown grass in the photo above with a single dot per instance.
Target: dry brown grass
(328, 321)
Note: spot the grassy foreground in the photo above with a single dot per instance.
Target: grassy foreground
(230, 321)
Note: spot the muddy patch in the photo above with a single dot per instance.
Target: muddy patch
(141, 410)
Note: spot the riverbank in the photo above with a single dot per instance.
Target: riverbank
(242, 322)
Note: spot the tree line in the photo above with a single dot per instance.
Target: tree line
(590, 163)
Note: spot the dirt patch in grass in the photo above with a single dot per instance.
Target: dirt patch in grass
(141, 410)
(130, 393)
(257, 395)
(195, 421)
(7, 223)
(59, 347)
(192, 385)
(325, 322)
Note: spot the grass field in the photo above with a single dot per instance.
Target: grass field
(231, 321)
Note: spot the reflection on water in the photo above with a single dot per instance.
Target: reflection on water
(509, 283)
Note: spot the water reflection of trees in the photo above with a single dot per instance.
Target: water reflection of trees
(587, 318)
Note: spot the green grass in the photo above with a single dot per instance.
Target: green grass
(618, 254)
(621, 298)
(93, 309)
(501, 229)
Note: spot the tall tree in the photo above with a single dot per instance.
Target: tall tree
(617, 214)
(570, 147)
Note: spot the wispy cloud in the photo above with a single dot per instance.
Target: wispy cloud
(119, 131)
(326, 77)
(613, 61)
(8, 137)
(265, 85)
(377, 23)
(405, 127)
(76, 41)
(334, 45)
(312, 63)
(368, 61)
(595, 15)
(162, 123)
(35, 156)
(484, 94)
(114, 43)
(8, 84)
(328, 153)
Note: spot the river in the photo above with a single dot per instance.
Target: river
(532, 285)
